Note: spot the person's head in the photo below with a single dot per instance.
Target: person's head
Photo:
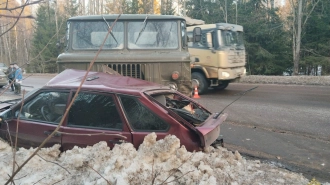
(11, 65)
(15, 65)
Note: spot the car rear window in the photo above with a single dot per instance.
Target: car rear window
(140, 117)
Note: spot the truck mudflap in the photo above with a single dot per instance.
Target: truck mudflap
(210, 130)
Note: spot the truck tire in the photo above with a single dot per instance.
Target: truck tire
(203, 85)
(222, 86)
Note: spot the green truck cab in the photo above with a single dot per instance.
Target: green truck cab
(148, 47)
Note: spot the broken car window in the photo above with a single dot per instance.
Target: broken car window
(46, 106)
(95, 110)
(186, 109)
(140, 117)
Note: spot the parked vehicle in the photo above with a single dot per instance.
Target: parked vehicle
(3, 67)
(111, 108)
(219, 57)
(148, 47)
(3, 79)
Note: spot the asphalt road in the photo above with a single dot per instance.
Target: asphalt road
(286, 125)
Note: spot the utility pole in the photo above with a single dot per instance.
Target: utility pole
(184, 8)
(226, 10)
(236, 9)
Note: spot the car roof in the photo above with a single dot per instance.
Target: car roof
(71, 78)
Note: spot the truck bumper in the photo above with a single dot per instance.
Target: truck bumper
(231, 74)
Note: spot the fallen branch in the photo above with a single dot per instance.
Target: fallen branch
(53, 163)
(98, 173)
(38, 180)
(176, 169)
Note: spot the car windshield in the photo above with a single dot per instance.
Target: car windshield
(153, 35)
(91, 34)
(186, 109)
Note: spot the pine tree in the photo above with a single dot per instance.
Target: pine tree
(46, 40)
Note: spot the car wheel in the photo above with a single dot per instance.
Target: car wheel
(201, 81)
(222, 86)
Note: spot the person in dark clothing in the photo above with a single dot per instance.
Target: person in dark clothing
(11, 76)
(18, 79)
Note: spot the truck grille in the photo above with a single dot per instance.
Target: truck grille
(131, 70)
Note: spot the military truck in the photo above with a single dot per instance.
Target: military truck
(148, 47)
(219, 57)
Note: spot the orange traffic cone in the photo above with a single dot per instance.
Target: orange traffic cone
(196, 93)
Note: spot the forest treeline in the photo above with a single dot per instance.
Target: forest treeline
(293, 37)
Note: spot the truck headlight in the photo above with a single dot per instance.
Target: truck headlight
(175, 75)
(225, 74)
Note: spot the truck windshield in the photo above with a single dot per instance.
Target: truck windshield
(91, 34)
(153, 35)
(230, 38)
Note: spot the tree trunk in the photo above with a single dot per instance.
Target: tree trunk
(298, 39)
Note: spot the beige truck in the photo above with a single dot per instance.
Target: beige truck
(219, 57)
(148, 47)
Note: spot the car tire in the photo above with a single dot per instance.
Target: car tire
(203, 85)
(222, 86)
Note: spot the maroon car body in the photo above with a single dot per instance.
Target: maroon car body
(109, 108)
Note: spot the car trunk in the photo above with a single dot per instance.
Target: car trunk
(209, 131)
(197, 118)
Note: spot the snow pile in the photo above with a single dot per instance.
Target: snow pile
(162, 161)
(297, 80)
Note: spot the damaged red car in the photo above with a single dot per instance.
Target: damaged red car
(109, 108)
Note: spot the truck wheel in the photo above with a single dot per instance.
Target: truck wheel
(202, 83)
(222, 86)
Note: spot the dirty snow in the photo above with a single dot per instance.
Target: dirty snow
(162, 161)
(290, 80)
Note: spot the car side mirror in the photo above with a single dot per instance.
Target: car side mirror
(197, 34)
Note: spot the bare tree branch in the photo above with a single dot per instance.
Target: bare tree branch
(68, 108)
(13, 16)
(310, 12)
(22, 6)
(15, 21)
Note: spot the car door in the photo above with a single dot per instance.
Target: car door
(145, 117)
(37, 119)
(94, 117)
